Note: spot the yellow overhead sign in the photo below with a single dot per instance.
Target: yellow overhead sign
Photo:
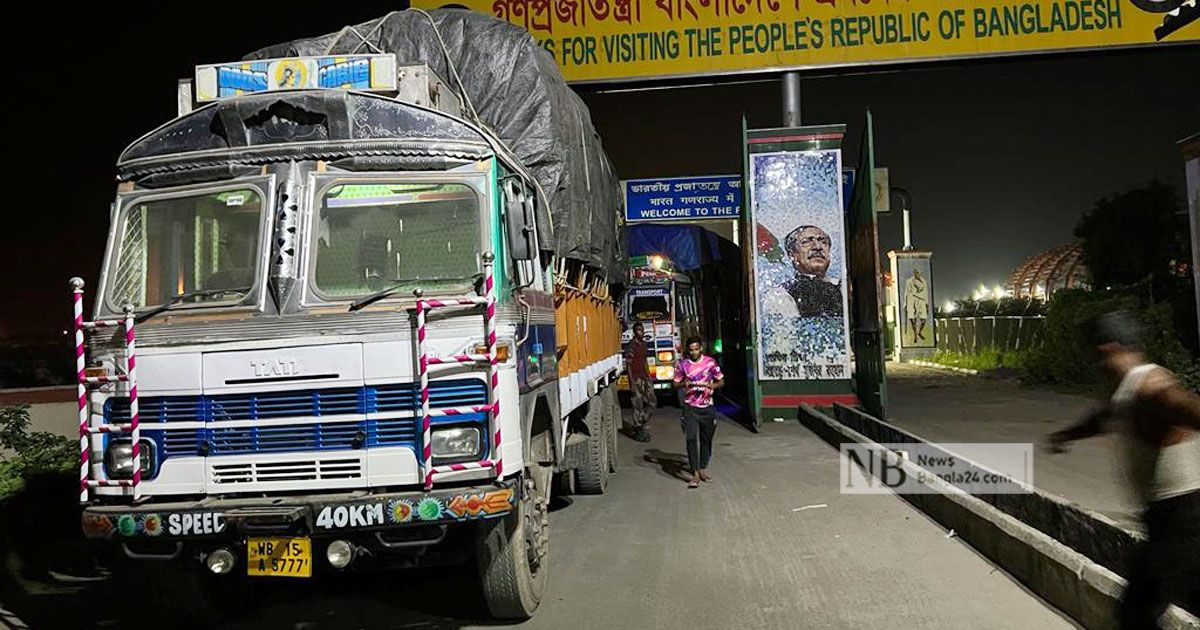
(607, 40)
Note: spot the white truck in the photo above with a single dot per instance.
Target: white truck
(331, 330)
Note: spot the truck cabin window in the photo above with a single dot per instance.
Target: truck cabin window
(649, 307)
(204, 243)
(377, 236)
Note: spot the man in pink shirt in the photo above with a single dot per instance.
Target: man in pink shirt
(699, 376)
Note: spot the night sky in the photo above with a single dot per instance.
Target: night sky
(1001, 157)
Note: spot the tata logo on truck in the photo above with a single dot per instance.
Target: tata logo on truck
(276, 367)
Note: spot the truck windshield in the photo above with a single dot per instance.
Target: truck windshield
(649, 307)
(203, 245)
(406, 235)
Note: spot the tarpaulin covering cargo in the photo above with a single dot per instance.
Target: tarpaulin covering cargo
(518, 92)
(688, 247)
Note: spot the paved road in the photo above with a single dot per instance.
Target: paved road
(950, 407)
(737, 553)
(733, 554)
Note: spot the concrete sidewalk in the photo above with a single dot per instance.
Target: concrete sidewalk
(944, 406)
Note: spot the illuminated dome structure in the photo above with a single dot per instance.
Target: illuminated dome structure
(1052, 270)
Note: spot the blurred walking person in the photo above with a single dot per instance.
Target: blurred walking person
(1159, 420)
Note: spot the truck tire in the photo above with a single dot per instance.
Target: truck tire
(612, 422)
(592, 476)
(512, 555)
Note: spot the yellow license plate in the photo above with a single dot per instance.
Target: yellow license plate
(279, 557)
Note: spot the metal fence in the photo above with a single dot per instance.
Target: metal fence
(971, 334)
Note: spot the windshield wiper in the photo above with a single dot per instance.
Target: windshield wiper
(476, 281)
(180, 298)
(376, 296)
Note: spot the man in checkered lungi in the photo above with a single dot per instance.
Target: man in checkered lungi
(641, 388)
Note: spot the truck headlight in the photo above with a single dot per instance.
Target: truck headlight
(457, 444)
(118, 458)
(666, 356)
(664, 372)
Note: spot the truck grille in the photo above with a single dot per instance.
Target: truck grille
(292, 437)
(217, 440)
(300, 403)
(303, 470)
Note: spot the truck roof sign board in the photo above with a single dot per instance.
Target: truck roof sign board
(626, 40)
(683, 198)
(369, 73)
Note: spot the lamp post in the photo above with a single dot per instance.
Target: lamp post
(791, 99)
(906, 204)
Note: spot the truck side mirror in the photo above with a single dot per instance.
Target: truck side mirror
(519, 220)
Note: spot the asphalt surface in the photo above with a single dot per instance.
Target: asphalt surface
(770, 543)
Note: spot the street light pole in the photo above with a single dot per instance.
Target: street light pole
(906, 203)
(791, 99)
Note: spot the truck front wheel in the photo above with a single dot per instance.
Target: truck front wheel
(512, 554)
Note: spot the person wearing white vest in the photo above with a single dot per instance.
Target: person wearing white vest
(1159, 420)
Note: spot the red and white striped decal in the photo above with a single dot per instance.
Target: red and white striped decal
(458, 359)
(442, 412)
(101, 380)
(81, 379)
(449, 468)
(103, 323)
(452, 468)
(492, 408)
(131, 372)
(489, 324)
(111, 483)
(111, 428)
(460, 302)
(423, 371)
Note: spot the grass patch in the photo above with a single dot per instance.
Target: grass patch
(982, 360)
(33, 453)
